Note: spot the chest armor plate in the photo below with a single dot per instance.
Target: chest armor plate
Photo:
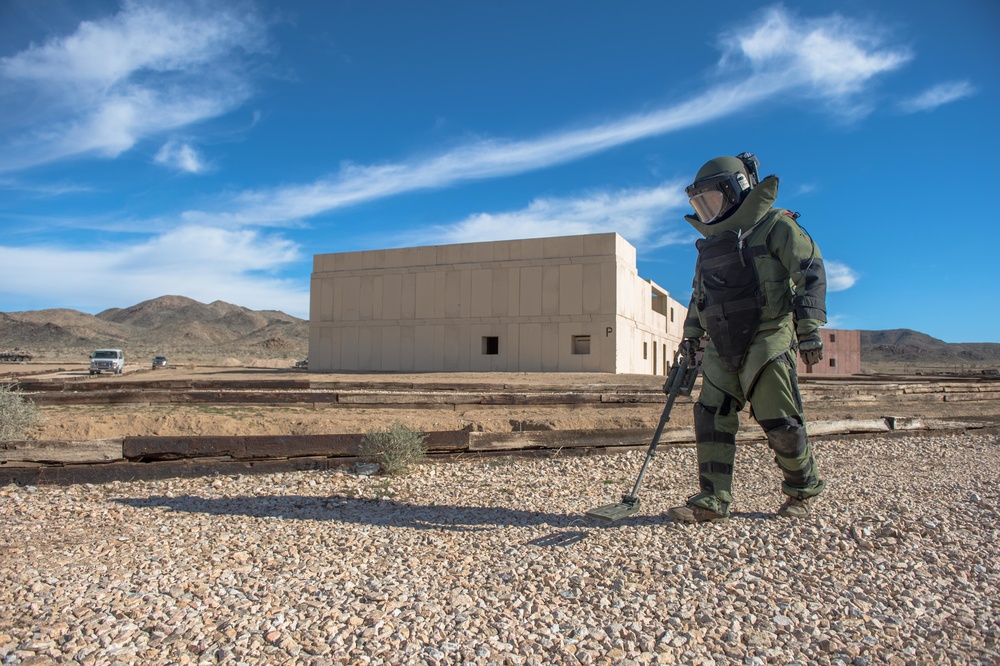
(731, 297)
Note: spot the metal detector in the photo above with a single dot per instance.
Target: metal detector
(680, 381)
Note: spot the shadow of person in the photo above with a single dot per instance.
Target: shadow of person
(378, 512)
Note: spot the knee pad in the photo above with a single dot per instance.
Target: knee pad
(704, 425)
(788, 441)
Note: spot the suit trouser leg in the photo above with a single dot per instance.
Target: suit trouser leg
(777, 406)
(716, 422)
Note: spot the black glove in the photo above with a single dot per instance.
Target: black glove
(690, 347)
(811, 347)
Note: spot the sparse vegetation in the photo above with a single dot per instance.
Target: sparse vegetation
(18, 415)
(395, 448)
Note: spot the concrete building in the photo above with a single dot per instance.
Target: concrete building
(566, 304)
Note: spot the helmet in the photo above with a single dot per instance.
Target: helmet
(721, 185)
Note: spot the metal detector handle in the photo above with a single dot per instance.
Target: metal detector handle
(683, 373)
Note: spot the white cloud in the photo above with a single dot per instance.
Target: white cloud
(48, 188)
(839, 277)
(636, 214)
(780, 57)
(206, 264)
(151, 67)
(834, 56)
(180, 156)
(932, 98)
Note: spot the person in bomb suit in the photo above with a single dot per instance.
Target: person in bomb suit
(759, 293)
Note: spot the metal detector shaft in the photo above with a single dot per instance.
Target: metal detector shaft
(664, 417)
(680, 381)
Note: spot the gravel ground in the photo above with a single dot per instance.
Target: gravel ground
(489, 561)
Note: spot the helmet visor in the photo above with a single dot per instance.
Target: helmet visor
(708, 205)
(712, 197)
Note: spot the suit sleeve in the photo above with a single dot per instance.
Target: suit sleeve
(692, 325)
(801, 257)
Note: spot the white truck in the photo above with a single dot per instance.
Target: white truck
(107, 360)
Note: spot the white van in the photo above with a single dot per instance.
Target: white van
(107, 360)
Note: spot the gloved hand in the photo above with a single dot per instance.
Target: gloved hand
(690, 347)
(811, 347)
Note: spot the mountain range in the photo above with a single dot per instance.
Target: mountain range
(904, 350)
(187, 330)
(176, 326)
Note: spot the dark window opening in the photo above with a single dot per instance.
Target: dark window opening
(645, 351)
(833, 363)
(491, 345)
(833, 337)
(581, 344)
(659, 303)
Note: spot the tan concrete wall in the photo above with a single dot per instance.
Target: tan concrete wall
(436, 308)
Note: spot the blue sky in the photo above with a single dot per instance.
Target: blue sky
(209, 149)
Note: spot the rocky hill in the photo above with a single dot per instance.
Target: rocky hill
(186, 330)
(181, 328)
(904, 350)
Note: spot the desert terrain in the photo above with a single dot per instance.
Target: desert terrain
(826, 399)
(905, 374)
(491, 558)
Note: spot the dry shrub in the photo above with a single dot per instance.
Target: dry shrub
(18, 415)
(394, 448)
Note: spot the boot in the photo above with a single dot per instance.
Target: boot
(689, 513)
(796, 508)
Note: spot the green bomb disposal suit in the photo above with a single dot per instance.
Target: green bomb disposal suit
(759, 283)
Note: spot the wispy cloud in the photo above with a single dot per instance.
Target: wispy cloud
(939, 95)
(833, 56)
(180, 156)
(839, 276)
(167, 61)
(637, 214)
(201, 263)
(46, 189)
(151, 67)
(781, 57)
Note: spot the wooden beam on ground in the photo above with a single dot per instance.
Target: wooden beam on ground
(63, 452)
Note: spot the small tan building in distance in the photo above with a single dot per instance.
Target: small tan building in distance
(841, 354)
(565, 304)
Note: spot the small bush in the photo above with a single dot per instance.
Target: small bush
(18, 415)
(395, 448)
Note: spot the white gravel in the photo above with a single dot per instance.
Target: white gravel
(489, 561)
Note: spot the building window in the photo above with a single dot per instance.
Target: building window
(833, 337)
(581, 344)
(491, 345)
(671, 314)
(833, 363)
(645, 351)
(659, 302)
